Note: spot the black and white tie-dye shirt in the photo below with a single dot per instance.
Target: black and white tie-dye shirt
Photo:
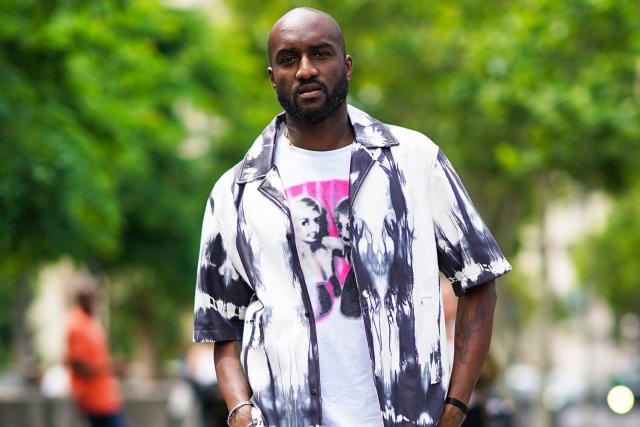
(409, 216)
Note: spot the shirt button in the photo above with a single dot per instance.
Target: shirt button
(288, 236)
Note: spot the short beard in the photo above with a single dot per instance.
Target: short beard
(334, 100)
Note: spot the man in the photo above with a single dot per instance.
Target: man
(279, 362)
(93, 383)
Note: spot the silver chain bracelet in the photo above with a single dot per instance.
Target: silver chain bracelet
(232, 412)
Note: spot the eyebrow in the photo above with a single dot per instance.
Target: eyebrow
(322, 45)
(286, 50)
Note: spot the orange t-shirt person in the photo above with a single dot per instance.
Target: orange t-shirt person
(93, 383)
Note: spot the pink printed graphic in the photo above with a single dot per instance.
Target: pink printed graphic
(320, 214)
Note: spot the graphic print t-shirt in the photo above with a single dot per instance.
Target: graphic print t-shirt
(317, 188)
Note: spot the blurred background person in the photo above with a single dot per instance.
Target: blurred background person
(94, 385)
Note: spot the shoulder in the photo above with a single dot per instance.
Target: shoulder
(413, 145)
(411, 137)
(226, 186)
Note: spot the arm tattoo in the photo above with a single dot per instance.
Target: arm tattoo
(458, 388)
(466, 329)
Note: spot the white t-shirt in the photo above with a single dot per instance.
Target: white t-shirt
(317, 188)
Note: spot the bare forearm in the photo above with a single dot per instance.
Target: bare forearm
(232, 379)
(474, 326)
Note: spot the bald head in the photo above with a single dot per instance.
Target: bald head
(301, 20)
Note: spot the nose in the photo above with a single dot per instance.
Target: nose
(307, 68)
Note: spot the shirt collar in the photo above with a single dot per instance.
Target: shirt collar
(369, 132)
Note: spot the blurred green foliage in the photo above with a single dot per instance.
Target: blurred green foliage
(607, 261)
(92, 122)
(90, 147)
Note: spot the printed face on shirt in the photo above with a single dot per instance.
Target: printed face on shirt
(306, 221)
(342, 224)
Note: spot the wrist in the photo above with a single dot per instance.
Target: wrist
(457, 403)
(242, 417)
(451, 417)
(240, 411)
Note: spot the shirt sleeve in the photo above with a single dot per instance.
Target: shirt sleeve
(221, 295)
(468, 255)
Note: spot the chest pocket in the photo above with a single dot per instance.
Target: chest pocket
(431, 304)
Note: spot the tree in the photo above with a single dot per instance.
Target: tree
(91, 143)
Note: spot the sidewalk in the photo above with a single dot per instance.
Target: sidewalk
(145, 406)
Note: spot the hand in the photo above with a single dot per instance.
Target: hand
(242, 417)
(451, 417)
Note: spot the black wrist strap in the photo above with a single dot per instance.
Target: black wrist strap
(458, 404)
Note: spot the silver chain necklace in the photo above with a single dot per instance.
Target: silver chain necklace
(291, 144)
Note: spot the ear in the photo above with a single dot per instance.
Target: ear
(271, 77)
(348, 66)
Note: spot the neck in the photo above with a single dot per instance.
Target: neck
(330, 134)
(87, 311)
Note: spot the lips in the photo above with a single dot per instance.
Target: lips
(310, 87)
(310, 91)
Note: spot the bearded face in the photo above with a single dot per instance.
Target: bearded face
(297, 107)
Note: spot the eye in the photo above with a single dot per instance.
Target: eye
(287, 60)
(305, 221)
(322, 54)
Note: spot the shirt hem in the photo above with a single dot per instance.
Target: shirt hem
(217, 335)
(479, 276)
